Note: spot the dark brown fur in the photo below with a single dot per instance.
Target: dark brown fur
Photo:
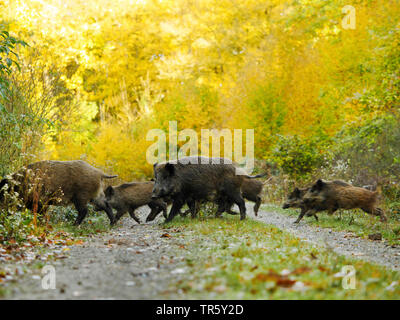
(251, 190)
(60, 183)
(194, 179)
(295, 200)
(128, 197)
(332, 195)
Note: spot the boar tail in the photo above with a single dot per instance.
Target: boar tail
(268, 180)
(105, 176)
(258, 175)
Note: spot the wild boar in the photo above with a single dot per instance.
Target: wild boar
(128, 197)
(295, 200)
(192, 179)
(334, 195)
(46, 183)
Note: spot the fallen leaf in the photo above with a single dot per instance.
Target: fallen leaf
(165, 235)
(301, 270)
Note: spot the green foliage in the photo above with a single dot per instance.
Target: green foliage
(12, 124)
(8, 58)
(298, 157)
(15, 222)
(15, 225)
(13, 129)
(371, 153)
(385, 93)
(63, 218)
(266, 116)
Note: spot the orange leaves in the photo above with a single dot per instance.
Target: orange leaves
(282, 279)
(165, 235)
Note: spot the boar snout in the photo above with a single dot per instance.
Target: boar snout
(158, 192)
(285, 206)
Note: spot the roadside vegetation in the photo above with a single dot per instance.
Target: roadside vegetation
(323, 102)
(355, 221)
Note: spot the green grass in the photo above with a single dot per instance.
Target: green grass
(62, 219)
(356, 221)
(232, 259)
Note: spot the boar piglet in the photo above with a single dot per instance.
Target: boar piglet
(334, 195)
(295, 200)
(128, 197)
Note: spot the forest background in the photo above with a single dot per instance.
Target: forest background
(88, 79)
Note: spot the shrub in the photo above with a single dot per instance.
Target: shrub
(371, 153)
(297, 157)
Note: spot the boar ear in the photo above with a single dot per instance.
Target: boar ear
(109, 191)
(155, 165)
(2, 184)
(170, 168)
(320, 184)
(296, 191)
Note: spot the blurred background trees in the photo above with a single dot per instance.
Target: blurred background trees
(98, 75)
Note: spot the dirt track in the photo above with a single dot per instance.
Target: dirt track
(130, 262)
(344, 243)
(143, 262)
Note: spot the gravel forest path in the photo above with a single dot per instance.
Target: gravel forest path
(146, 261)
(343, 243)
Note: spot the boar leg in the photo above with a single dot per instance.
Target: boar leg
(184, 213)
(164, 210)
(119, 214)
(379, 212)
(303, 212)
(331, 211)
(221, 208)
(238, 199)
(193, 208)
(82, 209)
(176, 207)
(376, 212)
(103, 206)
(314, 214)
(153, 214)
(228, 209)
(133, 215)
(257, 205)
(109, 213)
(155, 210)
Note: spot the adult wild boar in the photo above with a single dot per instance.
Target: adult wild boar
(334, 195)
(128, 197)
(195, 179)
(46, 183)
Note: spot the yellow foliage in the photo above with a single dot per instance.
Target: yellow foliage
(277, 67)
